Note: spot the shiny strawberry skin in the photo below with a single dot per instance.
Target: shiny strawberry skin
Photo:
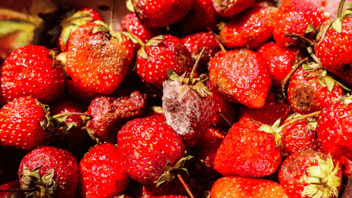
(65, 167)
(32, 71)
(161, 13)
(278, 60)
(23, 117)
(232, 187)
(306, 94)
(9, 186)
(101, 166)
(145, 146)
(240, 76)
(230, 8)
(247, 152)
(170, 53)
(96, 62)
(252, 29)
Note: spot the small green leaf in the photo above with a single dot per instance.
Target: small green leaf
(349, 5)
(97, 29)
(130, 6)
(321, 82)
(221, 25)
(347, 13)
(310, 29)
(306, 67)
(172, 74)
(156, 40)
(47, 179)
(142, 53)
(337, 25)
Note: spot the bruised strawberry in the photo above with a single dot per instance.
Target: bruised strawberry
(51, 171)
(161, 13)
(97, 61)
(109, 113)
(274, 109)
(311, 90)
(240, 76)
(159, 54)
(147, 147)
(248, 150)
(230, 8)
(251, 29)
(101, 166)
(32, 71)
(310, 173)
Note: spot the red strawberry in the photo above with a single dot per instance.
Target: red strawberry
(160, 54)
(249, 150)
(240, 76)
(130, 23)
(197, 41)
(32, 71)
(161, 13)
(71, 22)
(230, 8)
(146, 146)
(101, 172)
(225, 114)
(171, 188)
(109, 113)
(11, 186)
(251, 29)
(233, 187)
(294, 16)
(299, 135)
(53, 171)
(311, 90)
(23, 124)
(334, 132)
(273, 110)
(278, 59)
(97, 61)
(310, 174)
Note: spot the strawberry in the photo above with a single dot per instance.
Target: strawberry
(188, 106)
(131, 23)
(32, 71)
(195, 43)
(294, 16)
(240, 76)
(225, 114)
(310, 174)
(278, 59)
(101, 172)
(10, 186)
(51, 170)
(274, 109)
(299, 135)
(72, 21)
(250, 29)
(147, 147)
(158, 55)
(311, 90)
(230, 8)
(171, 188)
(201, 17)
(23, 124)
(97, 61)
(161, 13)
(334, 134)
(232, 187)
(248, 150)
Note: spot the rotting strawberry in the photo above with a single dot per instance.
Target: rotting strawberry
(250, 149)
(147, 147)
(233, 187)
(311, 89)
(11, 186)
(32, 71)
(97, 61)
(310, 174)
(230, 8)
(130, 23)
(49, 171)
(161, 13)
(251, 29)
(334, 132)
(109, 113)
(274, 109)
(294, 16)
(240, 76)
(159, 54)
(101, 172)
(23, 124)
(278, 59)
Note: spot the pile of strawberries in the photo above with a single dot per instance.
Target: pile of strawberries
(191, 98)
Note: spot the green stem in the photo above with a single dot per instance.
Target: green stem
(298, 119)
(283, 84)
(195, 65)
(339, 11)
